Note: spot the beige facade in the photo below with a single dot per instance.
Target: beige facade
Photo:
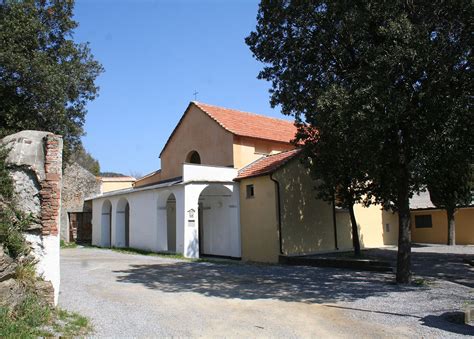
(259, 221)
(196, 132)
(438, 233)
(109, 184)
(247, 150)
(307, 223)
(148, 179)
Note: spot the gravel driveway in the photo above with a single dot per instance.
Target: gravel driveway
(134, 295)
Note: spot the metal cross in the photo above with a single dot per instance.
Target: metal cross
(195, 94)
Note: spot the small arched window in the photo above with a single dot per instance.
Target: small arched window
(193, 158)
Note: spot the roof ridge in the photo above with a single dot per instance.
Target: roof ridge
(197, 103)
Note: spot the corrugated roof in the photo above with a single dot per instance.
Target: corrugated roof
(266, 165)
(421, 200)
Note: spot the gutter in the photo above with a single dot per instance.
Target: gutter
(279, 212)
(334, 222)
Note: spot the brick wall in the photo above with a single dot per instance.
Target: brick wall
(51, 187)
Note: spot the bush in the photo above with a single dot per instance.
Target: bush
(12, 221)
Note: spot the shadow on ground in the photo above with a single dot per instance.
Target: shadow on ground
(447, 266)
(302, 284)
(450, 321)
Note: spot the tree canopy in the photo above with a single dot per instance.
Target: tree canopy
(398, 74)
(46, 79)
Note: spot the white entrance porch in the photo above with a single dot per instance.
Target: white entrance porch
(195, 215)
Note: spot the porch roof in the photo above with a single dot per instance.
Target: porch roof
(161, 184)
(266, 165)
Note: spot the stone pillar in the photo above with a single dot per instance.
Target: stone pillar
(51, 187)
(35, 163)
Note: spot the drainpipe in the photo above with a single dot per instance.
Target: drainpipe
(279, 211)
(334, 222)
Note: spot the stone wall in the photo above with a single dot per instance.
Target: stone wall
(78, 184)
(35, 162)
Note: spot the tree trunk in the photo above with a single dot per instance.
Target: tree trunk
(355, 231)
(451, 227)
(404, 234)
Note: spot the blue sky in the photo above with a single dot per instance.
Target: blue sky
(155, 55)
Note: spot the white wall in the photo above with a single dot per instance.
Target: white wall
(193, 172)
(148, 219)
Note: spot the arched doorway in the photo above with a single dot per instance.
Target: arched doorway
(219, 233)
(193, 157)
(106, 224)
(171, 222)
(122, 224)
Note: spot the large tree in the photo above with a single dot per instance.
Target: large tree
(403, 66)
(332, 152)
(46, 79)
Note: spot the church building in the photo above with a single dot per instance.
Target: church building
(231, 185)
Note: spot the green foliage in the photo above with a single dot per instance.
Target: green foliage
(64, 244)
(32, 318)
(12, 222)
(26, 320)
(385, 83)
(6, 183)
(85, 159)
(46, 79)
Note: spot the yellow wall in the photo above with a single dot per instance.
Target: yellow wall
(344, 230)
(258, 221)
(438, 234)
(372, 227)
(247, 150)
(108, 186)
(307, 223)
(150, 179)
(197, 132)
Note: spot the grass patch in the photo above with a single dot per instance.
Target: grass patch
(169, 255)
(64, 244)
(33, 318)
(421, 282)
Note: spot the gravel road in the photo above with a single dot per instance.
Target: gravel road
(129, 295)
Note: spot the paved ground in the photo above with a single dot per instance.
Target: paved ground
(133, 295)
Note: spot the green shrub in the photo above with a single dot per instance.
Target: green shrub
(6, 183)
(32, 318)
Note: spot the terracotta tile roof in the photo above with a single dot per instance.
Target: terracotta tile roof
(244, 124)
(249, 124)
(267, 164)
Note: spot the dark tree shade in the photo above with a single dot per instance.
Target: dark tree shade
(399, 73)
(46, 79)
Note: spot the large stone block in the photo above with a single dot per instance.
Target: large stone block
(469, 315)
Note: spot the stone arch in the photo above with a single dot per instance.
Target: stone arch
(106, 224)
(171, 222)
(193, 157)
(166, 221)
(122, 223)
